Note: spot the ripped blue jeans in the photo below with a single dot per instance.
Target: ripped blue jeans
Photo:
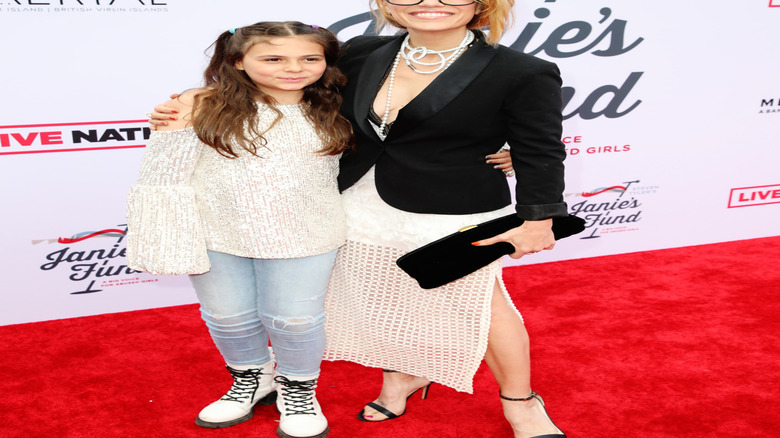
(245, 302)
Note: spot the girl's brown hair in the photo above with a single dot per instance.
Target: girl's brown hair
(225, 113)
(495, 14)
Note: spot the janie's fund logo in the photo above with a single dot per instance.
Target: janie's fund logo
(92, 260)
(612, 209)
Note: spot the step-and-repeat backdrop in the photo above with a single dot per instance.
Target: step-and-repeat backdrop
(672, 127)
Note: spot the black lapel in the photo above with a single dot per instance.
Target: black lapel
(446, 87)
(374, 69)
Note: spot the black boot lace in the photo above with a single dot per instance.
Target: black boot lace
(244, 384)
(297, 395)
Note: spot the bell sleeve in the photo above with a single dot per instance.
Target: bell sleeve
(164, 231)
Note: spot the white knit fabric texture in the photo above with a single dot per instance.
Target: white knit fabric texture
(371, 220)
(282, 203)
(378, 316)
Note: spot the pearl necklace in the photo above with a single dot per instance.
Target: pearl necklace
(390, 81)
(414, 56)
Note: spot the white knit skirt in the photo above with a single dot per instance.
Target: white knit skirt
(378, 316)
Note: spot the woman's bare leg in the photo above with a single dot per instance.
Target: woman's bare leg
(509, 359)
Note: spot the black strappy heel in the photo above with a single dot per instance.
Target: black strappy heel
(386, 412)
(539, 398)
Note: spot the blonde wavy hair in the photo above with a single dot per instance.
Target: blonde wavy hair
(497, 15)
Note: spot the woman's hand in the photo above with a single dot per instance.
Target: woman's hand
(163, 113)
(502, 160)
(530, 237)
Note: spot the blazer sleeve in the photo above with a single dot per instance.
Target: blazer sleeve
(534, 110)
(164, 232)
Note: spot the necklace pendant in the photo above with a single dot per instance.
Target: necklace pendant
(414, 55)
(425, 72)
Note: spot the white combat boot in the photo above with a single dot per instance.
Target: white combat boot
(252, 384)
(301, 416)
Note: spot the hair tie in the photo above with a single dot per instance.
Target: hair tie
(233, 30)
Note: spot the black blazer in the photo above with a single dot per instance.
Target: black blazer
(433, 160)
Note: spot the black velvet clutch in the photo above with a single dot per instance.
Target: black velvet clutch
(453, 256)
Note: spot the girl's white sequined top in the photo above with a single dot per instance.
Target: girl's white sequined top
(282, 203)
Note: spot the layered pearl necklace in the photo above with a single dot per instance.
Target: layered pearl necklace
(415, 56)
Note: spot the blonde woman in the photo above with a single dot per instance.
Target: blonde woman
(426, 106)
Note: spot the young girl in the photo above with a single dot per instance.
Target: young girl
(241, 190)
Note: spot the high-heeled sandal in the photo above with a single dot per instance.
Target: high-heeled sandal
(386, 412)
(539, 398)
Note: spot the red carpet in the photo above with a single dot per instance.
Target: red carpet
(672, 343)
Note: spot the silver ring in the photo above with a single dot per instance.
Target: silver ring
(510, 173)
(149, 115)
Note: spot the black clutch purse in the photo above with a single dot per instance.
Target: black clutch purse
(453, 256)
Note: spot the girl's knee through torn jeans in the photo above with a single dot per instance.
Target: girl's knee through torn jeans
(246, 301)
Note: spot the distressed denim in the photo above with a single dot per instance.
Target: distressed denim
(246, 301)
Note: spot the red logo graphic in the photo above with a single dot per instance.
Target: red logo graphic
(72, 137)
(750, 196)
(89, 234)
(774, 3)
(617, 189)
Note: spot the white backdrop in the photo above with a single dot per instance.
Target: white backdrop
(673, 127)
